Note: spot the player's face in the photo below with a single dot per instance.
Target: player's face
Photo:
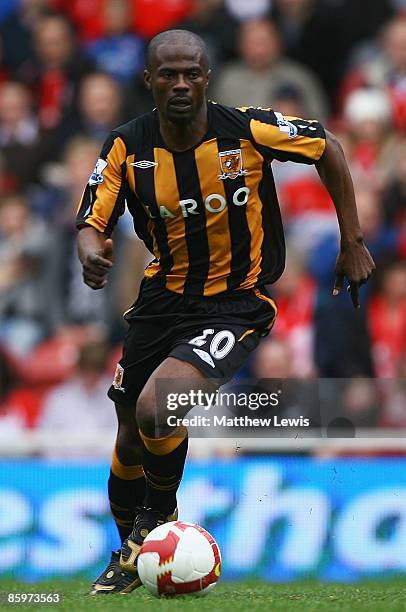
(178, 80)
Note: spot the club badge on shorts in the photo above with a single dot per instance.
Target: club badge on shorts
(118, 378)
(231, 164)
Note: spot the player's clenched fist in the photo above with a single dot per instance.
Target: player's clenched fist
(96, 266)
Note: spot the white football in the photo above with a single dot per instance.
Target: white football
(179, 558)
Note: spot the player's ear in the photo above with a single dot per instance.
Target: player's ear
(147, 79)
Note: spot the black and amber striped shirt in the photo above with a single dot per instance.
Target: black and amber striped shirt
(209, 215)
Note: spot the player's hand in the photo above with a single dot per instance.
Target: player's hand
(354, 263)
(96, 266)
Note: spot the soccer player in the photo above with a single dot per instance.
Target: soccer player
(196, 178)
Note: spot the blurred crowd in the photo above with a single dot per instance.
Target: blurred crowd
(70, 71)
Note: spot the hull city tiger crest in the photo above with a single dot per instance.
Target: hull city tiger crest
(231, 164)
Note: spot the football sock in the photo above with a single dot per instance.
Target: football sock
(163, 461)
(126, 488)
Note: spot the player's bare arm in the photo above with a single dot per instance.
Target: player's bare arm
(96, 255)
(354, 262)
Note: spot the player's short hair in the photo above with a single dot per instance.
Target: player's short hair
(186, 37)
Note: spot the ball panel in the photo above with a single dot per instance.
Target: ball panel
(183, 566)
(148, 569)
(198, 546)
(165, 545)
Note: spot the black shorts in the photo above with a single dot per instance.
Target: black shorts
(215, 334)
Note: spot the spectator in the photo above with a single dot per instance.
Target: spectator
(295, 293)
(11, 421)
(138, 99)
(78, 161)
(19, 400)
(154, 16)
(4, 72)
(213, 22)
(56, 70)
(273, 359)
(24, 147)
(394, 413)
(387, 72)
(74, 303)
(349, 403)
(100, 108)
(86, 16)
(308, 26)
(394, 197)
(119, 52)
(80, 405)
(274, 369)
(360, 402)
(355, 25)
(243, 11)
(24, 251)
(17, 32)
(372, 141)
(7, 379)
(262, 70)
(308, 211)
(382, 239)
(387, 320)
(342, 344)
(289, 101)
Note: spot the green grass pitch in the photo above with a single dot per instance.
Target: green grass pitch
(387, 595)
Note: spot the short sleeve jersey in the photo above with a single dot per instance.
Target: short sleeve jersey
(209, 215)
